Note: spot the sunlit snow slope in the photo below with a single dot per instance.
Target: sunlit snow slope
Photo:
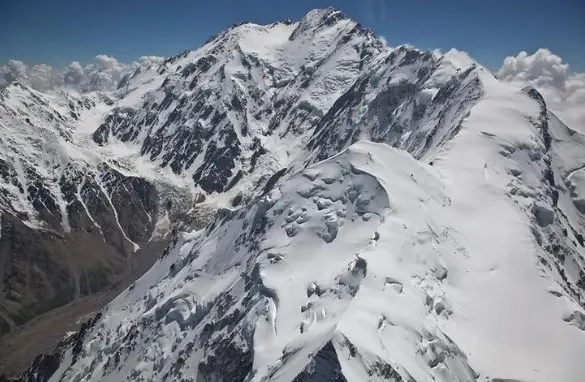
(399, 216)
(370, 266)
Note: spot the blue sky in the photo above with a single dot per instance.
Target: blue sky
(60, 31)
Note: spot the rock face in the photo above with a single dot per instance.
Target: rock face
(227, 109)
(381, 214)
(72, 222)
(45, 268)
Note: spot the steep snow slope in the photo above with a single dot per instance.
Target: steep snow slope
(254, 99)
(228, 109)
(512, 313)
(274, 282)
(219, 117)
(371, 266)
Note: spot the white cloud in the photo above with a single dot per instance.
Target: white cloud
(104, 62)
(459, 58)
(384, 40)
(73, 73)
(104, 73)
(563, 89)
(17, 68)
(147, 61)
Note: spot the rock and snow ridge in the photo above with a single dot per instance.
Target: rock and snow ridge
(215, 124)
(451, 249)
(71, 216)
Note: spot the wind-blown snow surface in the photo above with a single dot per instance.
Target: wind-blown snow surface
(369, 265)
(451, 249)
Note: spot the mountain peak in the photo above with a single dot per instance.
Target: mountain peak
(321, 13)
(534, 94)
(324, 16)
(318, 19)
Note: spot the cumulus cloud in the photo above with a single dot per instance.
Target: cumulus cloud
(384, 40)
(563, 89)
(104, 73)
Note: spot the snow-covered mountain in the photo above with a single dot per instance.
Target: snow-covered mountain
(382, 213)
(72, 216)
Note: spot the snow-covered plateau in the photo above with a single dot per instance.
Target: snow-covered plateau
(336, 210)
